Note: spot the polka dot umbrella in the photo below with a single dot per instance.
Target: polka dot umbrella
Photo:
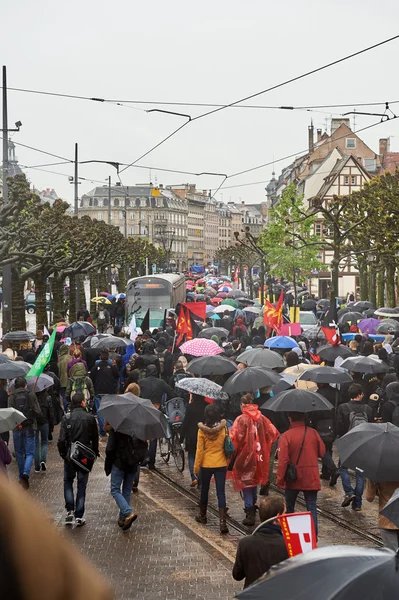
(201, 347)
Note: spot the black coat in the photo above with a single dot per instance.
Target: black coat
(344, 411)
(189, 431)
(257, 553)
(154, 388)
(83, 428)
(118, 445)
(104, 377)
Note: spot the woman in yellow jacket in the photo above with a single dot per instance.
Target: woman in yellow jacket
(210, 459)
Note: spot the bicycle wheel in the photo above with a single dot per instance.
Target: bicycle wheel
(164, 449)
(178, 455)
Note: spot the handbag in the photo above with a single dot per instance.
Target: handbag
(291, 474)
(228, 445)
(82, 456)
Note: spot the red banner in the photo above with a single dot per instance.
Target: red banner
(273, 315)
(299, 533)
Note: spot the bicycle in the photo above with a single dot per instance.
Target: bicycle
(172, 446)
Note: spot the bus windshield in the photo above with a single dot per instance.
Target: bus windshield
(148, 293)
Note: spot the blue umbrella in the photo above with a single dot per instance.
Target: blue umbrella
(209, 308)
(215, 316)
(281, 341)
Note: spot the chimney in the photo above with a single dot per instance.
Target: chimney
(311, 138)
(319, 133)
(242, 202)
(384, 146)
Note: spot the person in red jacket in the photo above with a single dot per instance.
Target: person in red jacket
(301, 446)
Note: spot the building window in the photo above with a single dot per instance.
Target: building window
(132, 231)
(318, 229)
(370, 164)
(353, 180)
(350, 143)
(95, 202)
(100, 216)
(116, 202)
(143, 202)
(346, 180)
(131, 216)
(121, 216)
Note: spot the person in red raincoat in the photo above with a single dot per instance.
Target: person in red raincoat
(252, 435)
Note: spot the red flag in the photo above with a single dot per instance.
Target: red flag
(329, 325)
(196, 308)
(236, 274)
(273, 315)
(298, 532)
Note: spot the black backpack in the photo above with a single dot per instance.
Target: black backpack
(325, 429)
(129, 451)
(22, 404)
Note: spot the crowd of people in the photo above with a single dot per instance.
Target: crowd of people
(265, 445)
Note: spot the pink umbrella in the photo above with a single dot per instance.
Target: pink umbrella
(106, 294)
(60, 328)
(221, 295)
(201, 347)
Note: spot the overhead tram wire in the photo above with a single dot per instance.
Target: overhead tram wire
(196, 104)
(277, 86)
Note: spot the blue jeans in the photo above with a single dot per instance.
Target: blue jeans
(136, 478)
(152, 452)
(310, 499)
(64, 400)
(70, 472)
(119, 321)
(347, 485)
(191, 461)
(220, 479)
(250, 495)
(41, 443)
(97, 402)
(121, 479)
(24, 446)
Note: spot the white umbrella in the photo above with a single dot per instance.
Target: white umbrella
(222, 307)
(10, 418)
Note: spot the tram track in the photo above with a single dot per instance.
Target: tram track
(241, 529)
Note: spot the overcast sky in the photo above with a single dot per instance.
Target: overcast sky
(179, 51)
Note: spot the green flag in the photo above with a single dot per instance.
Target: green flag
(43, 358)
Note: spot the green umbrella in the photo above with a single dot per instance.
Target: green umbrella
(230, 302)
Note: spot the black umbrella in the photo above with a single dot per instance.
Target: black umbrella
(323, 302)
(79, 329)
(351, 317)
(261, 357)
(331, 573)
(11, 369)
(208, 332)
(373, 448)
(330, 353)
(17, 336)
(391, 509)
(92, 339)
(364, 364)
(237, 294)
(387, 312)
(250, 379)
(387, 326)
(201, 386)
(297, 400)
(4, 358)
(112, 342)
(308, 305)
(326, 375)
(369, 313)
(206, 366)
(130, 414)
(345, 311)
(363, 305)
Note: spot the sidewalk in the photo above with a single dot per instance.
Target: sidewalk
(159, 557)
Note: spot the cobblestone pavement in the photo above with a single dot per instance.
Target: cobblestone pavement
(160, 557)
(329, 499)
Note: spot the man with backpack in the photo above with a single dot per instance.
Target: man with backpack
(390, 409)
(104, 376)
(24, 434)
(77, 426)
(124, 453)
(350, 415)
(79, 382)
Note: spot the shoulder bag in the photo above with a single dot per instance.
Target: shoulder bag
(291, 474)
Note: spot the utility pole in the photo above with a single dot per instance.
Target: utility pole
(76, 211)
(7, 291)
(109, 200)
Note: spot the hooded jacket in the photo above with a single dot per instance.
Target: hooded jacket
(62, 364)
(252, 435)
(392, 393)
(74, 366)
(210, 447)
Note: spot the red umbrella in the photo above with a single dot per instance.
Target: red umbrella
(216, 301)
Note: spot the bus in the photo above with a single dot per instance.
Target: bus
(155, 292)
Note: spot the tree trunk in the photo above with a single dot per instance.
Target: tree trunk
(58, 299)
(18, 316)
(40, 289)
(82, 279)
(372, 285)
(334, 277)
(380, 286)
(250, 283)
(122, 279)
(72, 299)
(364, 292)
(102, 281)
(262, 282)
(390, 283)
(242, 278)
